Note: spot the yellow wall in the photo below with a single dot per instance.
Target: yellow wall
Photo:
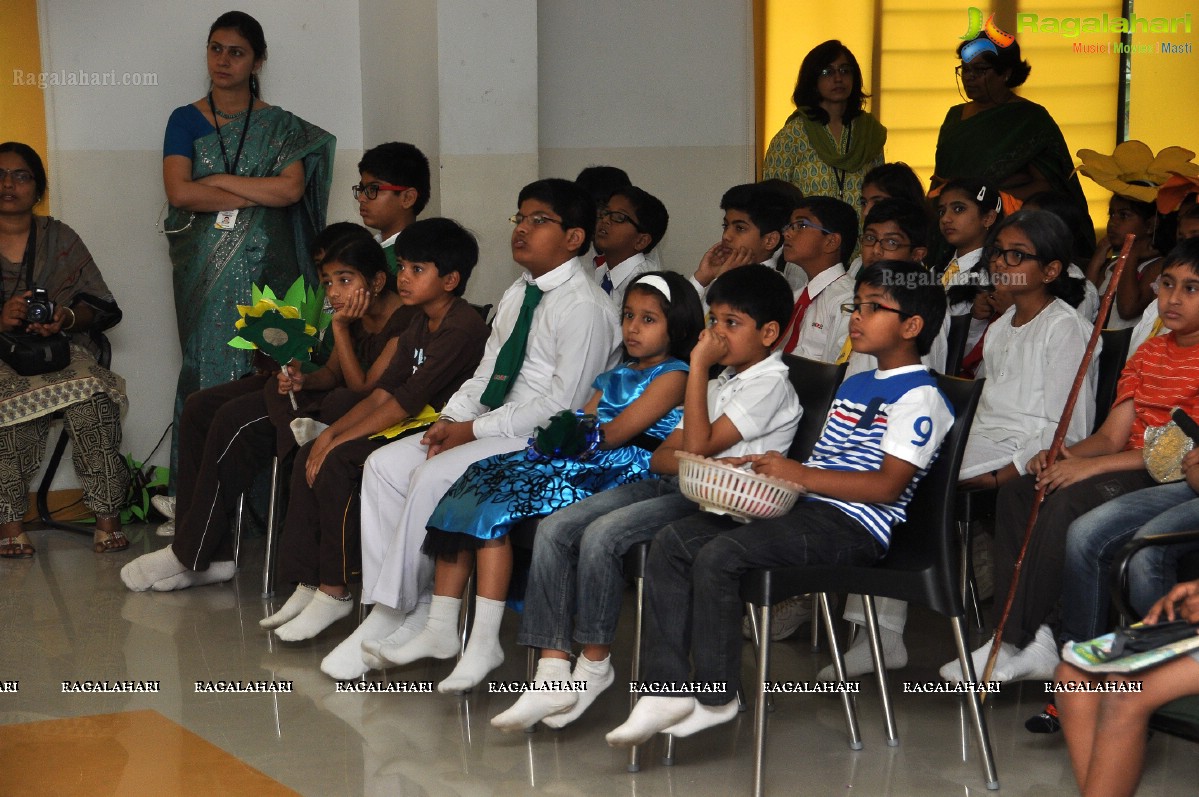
(22, 108)
(1165, 91)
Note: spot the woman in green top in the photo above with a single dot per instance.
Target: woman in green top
(829, 143)
(248, 185)
(1004, 139)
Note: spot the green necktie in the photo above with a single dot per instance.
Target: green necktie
(512, 353)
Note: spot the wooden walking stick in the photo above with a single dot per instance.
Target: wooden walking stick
(1055, 449)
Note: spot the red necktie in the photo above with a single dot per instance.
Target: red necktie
(796, 322)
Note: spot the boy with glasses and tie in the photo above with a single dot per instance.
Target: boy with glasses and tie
(628, 227)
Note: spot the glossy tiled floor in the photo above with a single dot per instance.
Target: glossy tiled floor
(65, 616)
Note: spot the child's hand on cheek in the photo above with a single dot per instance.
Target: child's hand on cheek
(741, 256)
(709, 350)
(354, 308)
(712, 264)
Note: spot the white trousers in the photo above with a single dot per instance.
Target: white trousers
(400, 490)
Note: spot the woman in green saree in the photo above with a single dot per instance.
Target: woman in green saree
(248, 186)
(1002, 138)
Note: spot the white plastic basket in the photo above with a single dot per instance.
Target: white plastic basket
(725, 490)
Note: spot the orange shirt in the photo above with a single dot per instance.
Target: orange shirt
(1160, 376)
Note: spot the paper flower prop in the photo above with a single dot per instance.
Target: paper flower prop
(1133, 171)
(1176, 189)
(283, 329)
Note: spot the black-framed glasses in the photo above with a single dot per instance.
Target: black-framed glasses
(617, 217)
(18, 176)
(372, 189)
(965, 70)
(868, 309)
(536, 219)
(845, 70)
(804, 224)
(1010, 257)
(888, 244)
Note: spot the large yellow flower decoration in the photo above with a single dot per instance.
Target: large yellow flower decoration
(1133, 162)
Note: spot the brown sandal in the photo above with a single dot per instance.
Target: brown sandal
(18, 547)
(114, 542)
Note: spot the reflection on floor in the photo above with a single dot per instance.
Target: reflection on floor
(132, 752)
(65, 616)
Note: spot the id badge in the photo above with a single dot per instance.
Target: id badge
(225, 219)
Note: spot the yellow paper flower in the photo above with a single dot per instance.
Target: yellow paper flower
(1133, 162)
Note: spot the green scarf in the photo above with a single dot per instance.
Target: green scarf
(866, 139)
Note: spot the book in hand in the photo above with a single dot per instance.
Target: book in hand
(1133, 649)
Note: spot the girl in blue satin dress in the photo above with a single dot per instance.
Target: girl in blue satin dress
(637, 403)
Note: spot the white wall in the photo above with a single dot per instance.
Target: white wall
(105, 158)
(496, 95)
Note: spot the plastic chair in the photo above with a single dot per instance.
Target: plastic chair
(41, 502)
(816, 384)
(955, 351)
(920, 567)
(1111, 365)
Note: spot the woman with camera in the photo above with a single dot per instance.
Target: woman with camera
(53, 296)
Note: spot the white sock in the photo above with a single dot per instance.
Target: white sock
(217, 573)
(345, 662)
(858, 660)
(703, 717)
(413, 624)
(652, 714)
(321, 612)
(534, 706)
(1037, 661)
(292, 608)
(952, 671)
(596, 676)
(140, 574)
(438, 640)
(483, 650)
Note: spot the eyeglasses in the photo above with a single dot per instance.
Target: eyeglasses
(536, 220)
(962, 70)
(616, 217)
(845, 70)
(889, 244)
(804, 224)
(372, 189)
(1010, 257)
(18, 176)
(868, 309)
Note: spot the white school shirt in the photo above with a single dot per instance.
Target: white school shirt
(1114, 319)
(622, 276)
(1144, 330)
(760, 402)
(966, 263)
(1088, 308)
(825, 327)
(574, 338)
(1029, 372)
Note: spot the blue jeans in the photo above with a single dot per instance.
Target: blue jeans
(1094, 540)
(693, 579)
(578, 561)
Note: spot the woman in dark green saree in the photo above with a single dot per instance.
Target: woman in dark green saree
(248, 186)
(1001, 138)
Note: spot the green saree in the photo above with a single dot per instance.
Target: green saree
(214, 269)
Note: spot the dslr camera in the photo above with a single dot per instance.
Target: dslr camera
(40, 308)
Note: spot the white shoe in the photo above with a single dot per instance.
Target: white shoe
(166, 529)
(166, 505)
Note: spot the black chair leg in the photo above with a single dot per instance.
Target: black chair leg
(634, 764)
(972, 700)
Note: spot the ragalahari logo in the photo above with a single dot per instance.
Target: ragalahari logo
(990, 43)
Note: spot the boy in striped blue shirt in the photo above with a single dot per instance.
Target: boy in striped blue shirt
(880, 438)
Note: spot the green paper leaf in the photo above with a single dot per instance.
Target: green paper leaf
(240, 343)
(295, 295)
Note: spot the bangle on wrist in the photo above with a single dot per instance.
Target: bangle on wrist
(72, 324)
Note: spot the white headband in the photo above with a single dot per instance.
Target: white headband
(655, 282)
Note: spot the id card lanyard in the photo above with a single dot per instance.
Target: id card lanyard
(226, 219)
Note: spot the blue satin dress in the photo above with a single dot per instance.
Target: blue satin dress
(495, 493)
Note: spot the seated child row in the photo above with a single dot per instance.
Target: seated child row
(554, 331)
